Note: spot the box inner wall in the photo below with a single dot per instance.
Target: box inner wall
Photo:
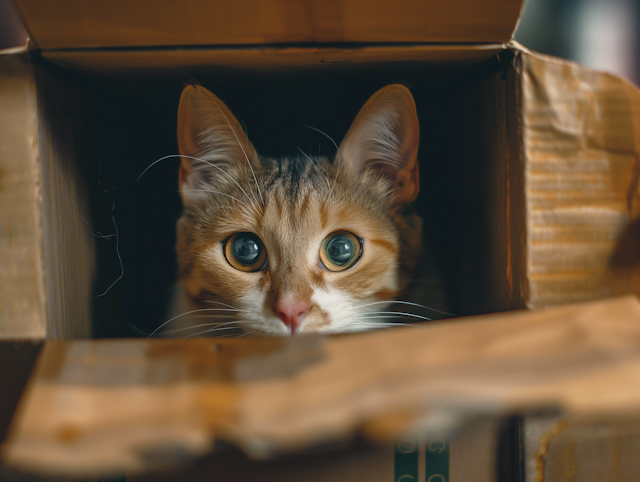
(123, 123)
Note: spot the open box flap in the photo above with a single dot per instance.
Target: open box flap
(75, 24)
(580, 192)
(103, 406)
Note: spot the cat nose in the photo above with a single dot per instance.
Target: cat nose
(292, 312)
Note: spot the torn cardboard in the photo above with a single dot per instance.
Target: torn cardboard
(95, 406)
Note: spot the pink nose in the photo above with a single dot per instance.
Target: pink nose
(291, 312)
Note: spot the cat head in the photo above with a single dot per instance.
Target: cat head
(298, 245)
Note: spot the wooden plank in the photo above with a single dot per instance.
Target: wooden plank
(581, 148)
(120, 23)
(104, 406)
(22, 290)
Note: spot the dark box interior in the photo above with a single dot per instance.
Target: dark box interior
(119, 124)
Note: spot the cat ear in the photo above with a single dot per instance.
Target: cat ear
(384, 137)
(208, 135)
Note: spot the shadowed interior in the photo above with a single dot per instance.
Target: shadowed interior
(130, 122)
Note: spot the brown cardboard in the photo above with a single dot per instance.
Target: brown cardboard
(68, 248)
(559, 448)
(548, 149)
(581, 134)
(22, 293)
(42, 208)
(97, 406)
(73, 24)
(522, 243)
(472, 455)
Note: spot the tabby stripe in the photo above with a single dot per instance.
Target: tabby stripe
(384, 244)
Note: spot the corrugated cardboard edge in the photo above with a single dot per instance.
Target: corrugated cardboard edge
(22, 291)
(69, 250)
(581, 166)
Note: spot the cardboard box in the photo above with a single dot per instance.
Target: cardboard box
(95, 407)
(530, 163)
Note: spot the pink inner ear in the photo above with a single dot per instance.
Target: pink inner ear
(385, 137)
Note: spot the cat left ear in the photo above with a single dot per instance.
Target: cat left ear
(384, 137)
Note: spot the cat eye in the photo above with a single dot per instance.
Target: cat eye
(340, 251)
(245, 252)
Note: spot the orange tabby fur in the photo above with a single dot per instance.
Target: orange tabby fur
(292, 204)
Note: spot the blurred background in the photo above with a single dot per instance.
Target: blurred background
(602, 34)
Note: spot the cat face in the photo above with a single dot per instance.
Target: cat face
(298, 245)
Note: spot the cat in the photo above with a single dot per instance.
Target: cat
(297, 245)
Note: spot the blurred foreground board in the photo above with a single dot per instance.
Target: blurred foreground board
(101, 406)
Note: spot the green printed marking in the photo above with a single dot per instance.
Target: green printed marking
(406, 461)
(437, 460)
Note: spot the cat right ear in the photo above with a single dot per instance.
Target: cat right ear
(208, 135)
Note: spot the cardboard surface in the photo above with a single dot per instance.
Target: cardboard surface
(68, 249)
(98, 406)
(22, 290)
(470, 455)
(490, 172)
(562, 449)
(581, 153)
(73, 24)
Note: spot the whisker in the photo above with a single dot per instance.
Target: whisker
(189, 312)
(247, 333)
(323, 133)
(210, 190)
(305, 155)
(117, 236)
(211, 330)
(171, 156)
(335, 180)
(213, 316)
(406, 303)
(98, 234)
(370, 327)
(400, 313)
(225, 304)
(342, 196)
(231, 335)
(200, 326)
(336, 146)
(374, 323)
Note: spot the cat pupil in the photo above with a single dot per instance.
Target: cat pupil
(340, 249)
(245, 249)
